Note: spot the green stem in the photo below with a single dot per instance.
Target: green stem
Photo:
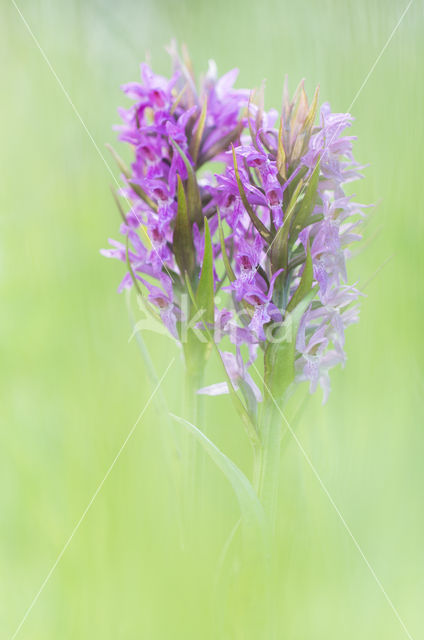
(192, 461)
(267, 462)
(192, 383)
(266, 481)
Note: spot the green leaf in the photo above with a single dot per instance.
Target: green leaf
(279, 246)
(253, 517)
(308, 203)
(196, 352)
(202, 308)
(259, 225)
(194, 202)
(197, 138)
(130, 269)
(178, 99)
(310, 118)
(119, 206)
(142, 298)
(143, 195)
(183, 246)
(190, 290)
(121, 164)
(251, 131)
(260, 100)
(281, 154)
(127, 173)
(280, 355)
(124, 218)
(305, 283)
(205, 290)
(228, 267)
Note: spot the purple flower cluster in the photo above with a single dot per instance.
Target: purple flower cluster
(166, 113)
(278, 215)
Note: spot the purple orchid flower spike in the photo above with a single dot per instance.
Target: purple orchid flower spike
(285, 226)
(249, 262)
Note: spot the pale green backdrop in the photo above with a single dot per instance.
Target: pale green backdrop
(72, 386)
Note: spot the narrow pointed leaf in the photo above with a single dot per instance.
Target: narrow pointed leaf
(190, 290)
(259, 225)
(205, 289)
(308, 203)
(194, 202)
(261, 106)
(285, 99)
(187, 61)
(279, 247)
(310, 118)
(197, 138)
(119, 206)
(196, 351)
(253, 517)
(305, 283)
(143, 195)
(228, 267)
(121, 164)
(299, 98)
(281, 154)
(183, 241)
(252, 133)
(239, 405)
(130, 269)
(121, 211)
(178, 99)
(280, 355)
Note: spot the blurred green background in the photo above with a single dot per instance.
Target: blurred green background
(72, 386)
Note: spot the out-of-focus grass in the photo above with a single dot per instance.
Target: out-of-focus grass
(72, 386)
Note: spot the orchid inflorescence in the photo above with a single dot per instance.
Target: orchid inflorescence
(242, 210)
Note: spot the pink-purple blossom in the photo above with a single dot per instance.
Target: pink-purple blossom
(279, 198)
